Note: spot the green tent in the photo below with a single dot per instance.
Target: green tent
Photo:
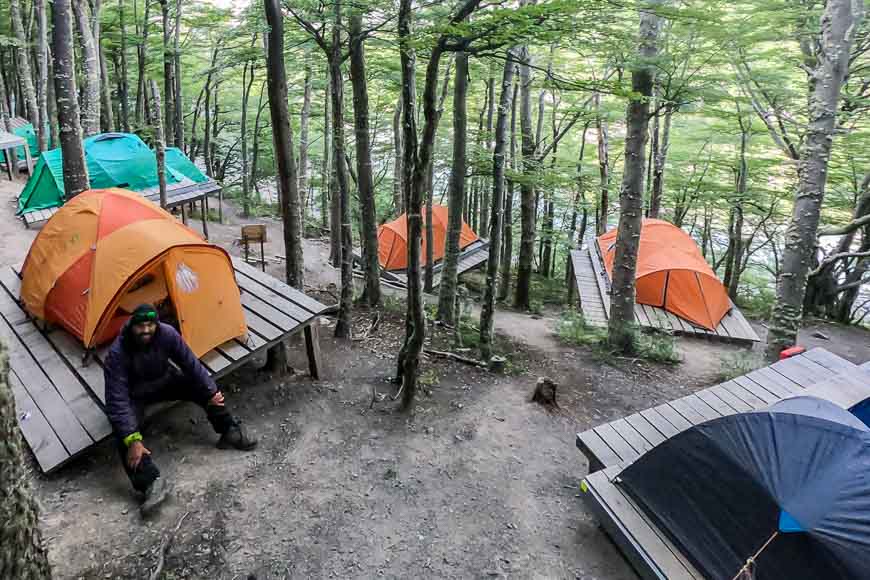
(113, 160)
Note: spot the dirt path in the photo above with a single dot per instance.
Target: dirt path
(476, 482)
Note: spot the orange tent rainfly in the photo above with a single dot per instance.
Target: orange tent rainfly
(107, 251)
(672, 274)
(393, 238)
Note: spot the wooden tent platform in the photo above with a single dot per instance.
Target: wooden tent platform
(612, 446)
(61, 400)
(472, 256)
(178, 194)
(593, 288)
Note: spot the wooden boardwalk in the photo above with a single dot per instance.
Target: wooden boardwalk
(593, 288)
(61, 400)
(472, 256)
(612, 446)
(178, 194)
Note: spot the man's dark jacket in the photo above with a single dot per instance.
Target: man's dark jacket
(133, 372)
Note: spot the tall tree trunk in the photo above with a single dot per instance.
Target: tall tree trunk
(159, 142)
(43, 121)
(603, 168)
(365, 182)
(507, 236)
(658, 170)
(247, 82)
(449, 276)
(215, 126)
(527, 189)
(282, 137)
(343, 326)
(429, 274)
(5, 114)
(304, 122)
(178, 107)
(91, 65)
(206, 134)
(23, 555)
(168, 72)
(141, 55)
(123, 83)
(326, 170)
(838, 24)
(397, 161)
(256, 147)
(484, 202)
(107, 121)
(75, 172)
(24, 69)
(409, 356)
(487, 311)
(53, 123)
(620, 331)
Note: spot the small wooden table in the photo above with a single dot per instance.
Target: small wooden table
(9, 143)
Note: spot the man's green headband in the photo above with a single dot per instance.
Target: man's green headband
(144, 314)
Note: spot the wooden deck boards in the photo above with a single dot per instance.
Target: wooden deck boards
(609, 444)
(471, 257)
(612, 446)
(177, 194)
(593, 288)
(60, 399)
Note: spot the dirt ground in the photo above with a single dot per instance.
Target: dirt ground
(476, 482)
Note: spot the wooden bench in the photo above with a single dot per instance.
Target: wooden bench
(610, 447)
(592, 284)
(61, 400)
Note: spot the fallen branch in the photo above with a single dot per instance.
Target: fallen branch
(164, 547)
(456, 357)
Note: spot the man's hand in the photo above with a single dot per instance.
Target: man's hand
(217, 400)
(135, 453)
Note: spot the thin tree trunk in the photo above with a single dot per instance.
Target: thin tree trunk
(24, 68)
(487, 311)
(4, 103)
(75, 172)
(603, 168)
(159, 142)
(658, 171)
(838, 24)
(326, 179)
(42, 94)
(123, 83)
(107, 121)
(620, 331)
(304, 122)
(484, 202)
(508, 242)
(429, 274)
(141, 55)
(527, 189)
(397, 161)
(215, 127)
(256, 146)
(178, 108)
(24, 555)
(168, 73)
(54, 124)
(343, 326)
(449, 276)
(206, 137)
(282, 136)
(365, 181)
(247, 82)
(91, 65)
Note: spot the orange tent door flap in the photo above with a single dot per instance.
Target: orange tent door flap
(685, 298)
(651, 289)
(203, 289)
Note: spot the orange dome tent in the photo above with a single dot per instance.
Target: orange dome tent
(672, 274)
(107, 251)
(393, 236)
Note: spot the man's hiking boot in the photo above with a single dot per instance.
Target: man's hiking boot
(155, 495)
(237, 437)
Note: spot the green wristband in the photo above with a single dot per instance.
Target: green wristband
(132, 437)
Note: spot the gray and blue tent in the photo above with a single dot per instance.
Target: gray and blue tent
(790, 484)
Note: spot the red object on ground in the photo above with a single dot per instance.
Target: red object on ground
(791, 351)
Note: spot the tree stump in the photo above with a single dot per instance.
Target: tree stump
(497, 364)
(545, 393)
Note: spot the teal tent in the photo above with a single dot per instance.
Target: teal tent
(29, 133)
(113, 160)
